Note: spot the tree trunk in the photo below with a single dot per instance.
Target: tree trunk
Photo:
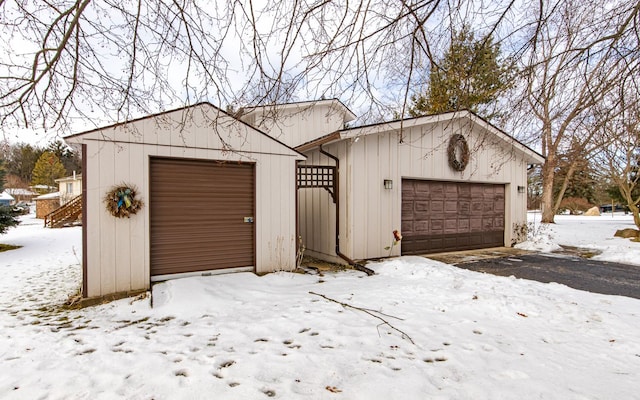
(636, 215)
(563, 188)
(548, 172)
(631, 203)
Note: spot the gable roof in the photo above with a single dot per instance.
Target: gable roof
(6, 196)
(20, 192)
(76, 177)
(217, 110)
(335, 103)
(397, 125)
(48, 196)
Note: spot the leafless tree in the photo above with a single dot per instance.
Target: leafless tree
(620, 155)
(68, 63)
(578, 54)
(105, 61)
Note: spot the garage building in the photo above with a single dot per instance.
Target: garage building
(447, 182)
(214, 194)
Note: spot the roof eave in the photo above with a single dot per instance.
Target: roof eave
(531, 155)
(336, 103)
(330, 138)
(77, 137)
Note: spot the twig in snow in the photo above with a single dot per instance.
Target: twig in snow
(371, 313)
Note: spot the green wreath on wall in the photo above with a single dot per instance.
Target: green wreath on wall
(458, 152)
(121, 201)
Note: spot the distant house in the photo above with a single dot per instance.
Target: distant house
(21, 194)
(6, 199)
(69, 187)
(43, 189)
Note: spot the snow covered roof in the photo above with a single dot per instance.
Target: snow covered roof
(20, 192)
(75, 177)
(53, 195)
(6, 196)
(42, 187)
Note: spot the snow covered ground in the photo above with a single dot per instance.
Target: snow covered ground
(595, 233)
(451, 333)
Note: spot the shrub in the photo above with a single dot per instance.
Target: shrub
(575, 205)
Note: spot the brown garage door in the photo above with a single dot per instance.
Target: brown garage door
(447, 216)
(198, 211)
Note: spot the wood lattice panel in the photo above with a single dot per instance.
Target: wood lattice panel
(317, 176)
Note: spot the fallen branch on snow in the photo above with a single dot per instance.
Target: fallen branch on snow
(373, 313)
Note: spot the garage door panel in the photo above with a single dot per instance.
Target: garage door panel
(197, 215)
(409, 195)
(421, 215)
(421, 226)
(451, 206)
(435, 190)
(409, 225)
(436, 225)
(487, 224)
(458, 216)
(476, 224)
(464, 208)
(451, 226)
(451, 191)
(422, 190)
(436, 206)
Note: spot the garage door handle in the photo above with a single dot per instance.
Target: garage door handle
(248, 220)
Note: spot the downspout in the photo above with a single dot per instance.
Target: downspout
(336, 193)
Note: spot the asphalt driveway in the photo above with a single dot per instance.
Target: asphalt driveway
(571, 270)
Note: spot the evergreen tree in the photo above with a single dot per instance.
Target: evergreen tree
(469, 76)
(7, 216)
(67, 156)
(47, 170)
(581, 184)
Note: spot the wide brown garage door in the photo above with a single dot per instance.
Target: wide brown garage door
(201, 215)
(447, 216)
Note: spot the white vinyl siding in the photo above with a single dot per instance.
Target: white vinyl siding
(370, 213)
(296, 124)
(118, 257)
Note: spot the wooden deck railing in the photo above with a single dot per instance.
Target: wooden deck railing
(65, 214)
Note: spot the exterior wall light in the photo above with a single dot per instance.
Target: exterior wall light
(521, 189)
(388, 184)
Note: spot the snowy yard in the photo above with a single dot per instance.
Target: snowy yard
(240, 336)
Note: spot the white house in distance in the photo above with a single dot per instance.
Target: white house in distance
(69, 187)
(21, 194)
(446, 182)
(225, 194)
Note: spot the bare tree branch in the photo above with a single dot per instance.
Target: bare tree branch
(374, 313)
